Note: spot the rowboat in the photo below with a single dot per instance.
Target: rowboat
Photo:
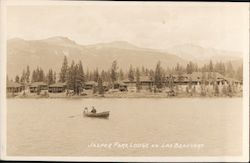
(97, 115)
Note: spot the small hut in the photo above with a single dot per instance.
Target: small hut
(57, 88)
(90, 85)
(146, 82)
(38, 86)
(123, 87)
(13, 87)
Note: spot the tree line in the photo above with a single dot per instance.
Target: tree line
(75, 76)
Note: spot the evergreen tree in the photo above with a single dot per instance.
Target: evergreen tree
(114, 68)
(211, 67)
(23, 77)
(41, 76)
(63, 73)
(179, 71)
(81, 73)
(190, 68)
(50, 77)
(158, 75)
(103, 76)
(96, 75)
(151, 75)
(17, 79)
(88, 75)
(239, 74)
(223, 69)
(54, 77)
(143, 71)
(27, 75)
(121, 75)
(100, 86)
(33, 78)
(70, 77)
(131, 76)
(230, 70)
(138, 83)
(77, 80)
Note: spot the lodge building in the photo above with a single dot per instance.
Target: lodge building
(38, 86)
(13, 87)
(57, 88)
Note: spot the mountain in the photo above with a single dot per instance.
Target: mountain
(202, 55)
(49, 53)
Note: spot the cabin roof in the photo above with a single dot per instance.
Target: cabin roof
(145, 79)
(36, 84)
(13, 85)
(58, 85)
(197, 76)
(105, 83)
(122, 83)
(142, 79)
(90, 83)
(232, 80)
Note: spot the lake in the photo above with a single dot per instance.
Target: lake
(136, 127)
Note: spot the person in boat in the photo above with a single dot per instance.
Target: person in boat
(85, 110)
(93, 110)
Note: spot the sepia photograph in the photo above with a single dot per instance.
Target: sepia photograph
(124, 81)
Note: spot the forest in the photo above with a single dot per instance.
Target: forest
(75, 76)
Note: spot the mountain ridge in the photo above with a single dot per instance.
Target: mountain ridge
(49, 53)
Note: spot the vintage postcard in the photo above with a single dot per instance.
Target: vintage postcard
(124, 81)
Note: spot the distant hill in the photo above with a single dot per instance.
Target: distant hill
(202, 55)
(49, 53)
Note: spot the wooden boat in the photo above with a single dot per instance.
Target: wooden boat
(97, 115)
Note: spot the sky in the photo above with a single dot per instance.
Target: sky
(153, 25)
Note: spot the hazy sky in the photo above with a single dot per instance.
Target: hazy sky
(154, 25)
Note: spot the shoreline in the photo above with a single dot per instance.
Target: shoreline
(134, 95)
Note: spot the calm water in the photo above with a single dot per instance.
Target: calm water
(55, 127)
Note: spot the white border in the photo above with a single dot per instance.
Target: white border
(243, 158)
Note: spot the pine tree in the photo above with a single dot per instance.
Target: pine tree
(114, 68)
(239, 74)
(131, 74)
(81, 73)
(88, 75)
(96, 75)
(50, 77)
(33, 78)
(100, 86)
(143, 71)
(190, 68)
(121, 75)
(151, 75)
(158, 75)
(230, 70)
(179, 71)
(138, 83)
(211, 67)
(27, 75)
(41, 75)
(63, 73)
(17, 79)
(54, 77)
(77, 82)
(70, 77)
(23, 77)
(103, 76)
